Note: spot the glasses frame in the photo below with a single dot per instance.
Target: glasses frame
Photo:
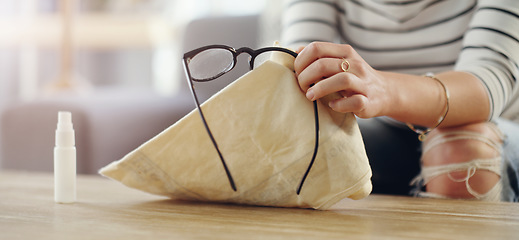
(253, 54)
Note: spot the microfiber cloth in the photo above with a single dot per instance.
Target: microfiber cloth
(264, 127)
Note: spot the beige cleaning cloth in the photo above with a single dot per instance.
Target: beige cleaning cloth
(264, 127)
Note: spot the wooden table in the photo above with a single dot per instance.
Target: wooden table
(108, 210)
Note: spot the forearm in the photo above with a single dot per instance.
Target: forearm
(368, 93)
(421, 100)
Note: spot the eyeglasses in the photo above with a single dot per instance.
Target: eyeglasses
(211, 62)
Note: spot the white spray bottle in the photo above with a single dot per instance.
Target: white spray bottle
(65, 160)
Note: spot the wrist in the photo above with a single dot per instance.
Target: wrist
(396, 97)
(413, 99)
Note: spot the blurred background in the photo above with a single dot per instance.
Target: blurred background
(123, 43)
(115, 64)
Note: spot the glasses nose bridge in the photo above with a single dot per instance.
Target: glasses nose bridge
(250, 51)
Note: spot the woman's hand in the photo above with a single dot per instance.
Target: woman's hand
(365, 92)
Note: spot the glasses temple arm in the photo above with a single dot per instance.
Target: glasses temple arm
(227, 171)
(316, 147)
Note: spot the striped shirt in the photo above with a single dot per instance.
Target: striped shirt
(419, 36)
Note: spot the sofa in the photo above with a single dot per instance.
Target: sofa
(111, 122)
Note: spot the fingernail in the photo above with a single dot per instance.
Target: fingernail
(331, 104)
(310, 94)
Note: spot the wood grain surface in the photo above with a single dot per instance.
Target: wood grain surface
(108, 210)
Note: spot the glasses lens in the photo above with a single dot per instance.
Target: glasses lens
(210, 64)
(271, 55)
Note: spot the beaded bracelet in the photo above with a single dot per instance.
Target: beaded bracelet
(421, 133)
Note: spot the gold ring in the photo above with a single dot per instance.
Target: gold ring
(345, 62)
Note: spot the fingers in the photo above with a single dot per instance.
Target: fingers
(319, 50)
(349, 86)
(356, 104)
(325, 68)
(317, 71)
(343, 82)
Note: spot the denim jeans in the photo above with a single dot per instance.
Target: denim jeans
(510, 173)
(394, 153)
